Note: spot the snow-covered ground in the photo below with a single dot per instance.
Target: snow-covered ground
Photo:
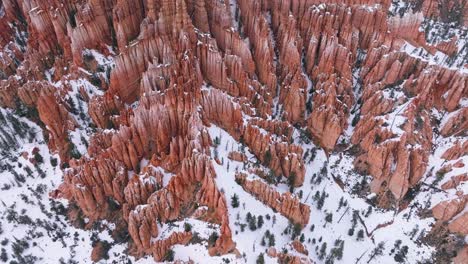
(401, 227)
(33, 227)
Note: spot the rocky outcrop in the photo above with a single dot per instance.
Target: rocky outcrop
(57, 120)
(288, 206)
(281, 157)
(456, 123)
(263, 71)
(455, 181)
(237, 156)
(446, 210)
(160, 247)
(458, 150)
(288, 258)
(454, 212)
(127, 17)
(462, 256)
(99, 251)
(458, 225)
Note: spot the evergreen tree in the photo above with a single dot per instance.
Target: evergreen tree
(340, 204)
(400, 257)
(253, 223)
(169, 255)
(261, 259)
(260, 221)
(271, 241)
(302, 238)
(377, 251)
(291, 181)
(360, 235)
(267, 158)
(321, 200)
(328, 218)
(235, 201)
(323, 251)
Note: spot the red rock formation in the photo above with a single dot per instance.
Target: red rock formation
(127, 17)
(456, 123)
(160, 247)
(288, 206)
(57, 120)
(454, 212)
(456, 151)
(455, 181)
(140, 187)
(184, 65)
(458, 225)
(257, 29)
(446, 210)
(237, 156)
(462, 256)
(281, 157)
(299, 247)
(98, 252)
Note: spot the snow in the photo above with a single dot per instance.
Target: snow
(248, 242)
(60, 240)
(438, 58)
(51, 238)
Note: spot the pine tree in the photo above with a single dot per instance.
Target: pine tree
(263, 243)
(400, 257)
(260, 221)
(369, 211)
(235, 201)
(378, 251)
(302, 238)
(169, 255)
(340, 204)
(321, 200)
(360, 235)
(329, 218)
(323, 251)
(296, 230)
(248, 217)
(317, 196)
(253, 223)
(261, 259)
(267, 158)
(271, 241)
(212, 239)
(291, 181)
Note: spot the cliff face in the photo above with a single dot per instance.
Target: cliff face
(280, 77)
